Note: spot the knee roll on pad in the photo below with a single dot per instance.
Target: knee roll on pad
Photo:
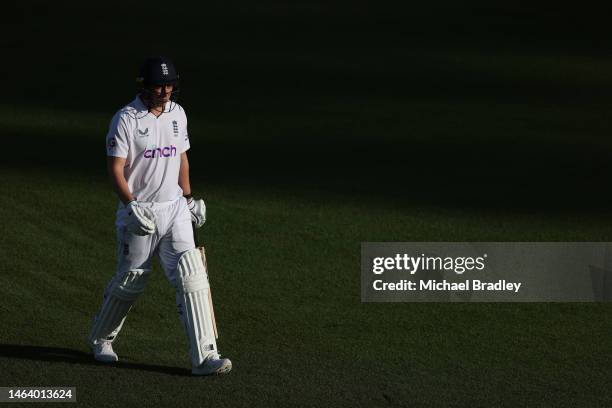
(118, 300)
(194, 308)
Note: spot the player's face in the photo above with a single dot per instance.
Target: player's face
(163, 92)
(158, 95)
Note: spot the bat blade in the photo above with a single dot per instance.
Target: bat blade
(210, 302)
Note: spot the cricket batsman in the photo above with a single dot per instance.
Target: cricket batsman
(146, 149)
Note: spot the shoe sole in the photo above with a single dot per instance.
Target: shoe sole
(220, 371)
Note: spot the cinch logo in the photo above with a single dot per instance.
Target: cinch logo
(168, 151)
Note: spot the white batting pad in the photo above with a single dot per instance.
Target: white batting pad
(194, 307)
(120, 295)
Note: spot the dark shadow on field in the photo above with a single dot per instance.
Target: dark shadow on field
(519, 174)
(72, 356)
(311, 77)
(232, 50)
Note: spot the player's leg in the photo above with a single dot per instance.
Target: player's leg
(186, 271)
(134, 266)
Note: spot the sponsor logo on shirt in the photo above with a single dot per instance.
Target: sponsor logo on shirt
(142, 133)
(157, 152)
(112, 143)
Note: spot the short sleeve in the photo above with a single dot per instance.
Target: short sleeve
(184, 134)
(117, 141)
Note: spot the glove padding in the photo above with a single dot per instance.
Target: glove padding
(141, 220)
(197, 208)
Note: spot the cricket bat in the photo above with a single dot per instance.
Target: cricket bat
(202, 252)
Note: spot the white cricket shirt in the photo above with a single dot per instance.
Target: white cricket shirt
(152, 147)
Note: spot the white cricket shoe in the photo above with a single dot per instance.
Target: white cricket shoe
(103, 351)
(213, 365)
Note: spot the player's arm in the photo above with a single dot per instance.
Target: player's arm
(140, 220)
(183, 181)
(115, 167)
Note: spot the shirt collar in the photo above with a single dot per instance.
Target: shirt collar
(139, 104)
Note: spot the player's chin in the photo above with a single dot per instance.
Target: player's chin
(160, 103)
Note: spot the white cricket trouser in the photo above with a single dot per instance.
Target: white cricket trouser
(173, 236)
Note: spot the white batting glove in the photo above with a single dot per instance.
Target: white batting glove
(197, 208)
(141, 220)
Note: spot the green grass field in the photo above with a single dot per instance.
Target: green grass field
(313, 128)
(285, 272)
